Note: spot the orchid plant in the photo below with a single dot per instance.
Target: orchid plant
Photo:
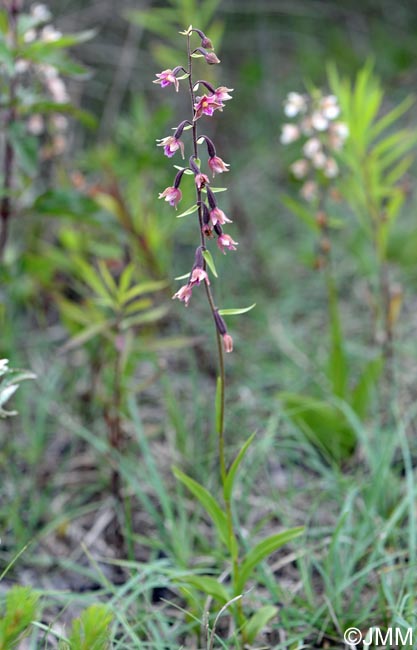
(210, 221)
(35, 99)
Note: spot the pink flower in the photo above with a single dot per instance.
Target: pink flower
(198, 275)
(172, 195)
(218, 216)
(206, 105)
(225, 241)
(228, 343)
(201, 180)
(222, 94)
(184, 294)
(167, 78)
(171, 145)
(217, 165)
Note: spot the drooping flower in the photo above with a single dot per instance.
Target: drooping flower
(206, 105)
(217, 165)
(311, 147)
(290, 133)
(167, 78)
(319, 160)
(171, 145)
(222, 94)
(300, 168)
(338, 132)
(331, 168)
(4, 366)
(227, 342)
(40, 12)
(294, 104)
(172, 195)
(225, 241)
(49, 34)
(329, 107)
(198, 275)
(319, 121)
(184, 294)
(201, 180)
(218, 216)
(309, 191)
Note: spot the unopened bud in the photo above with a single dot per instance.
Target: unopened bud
(206, 42)
(211, 58)
(220, 324)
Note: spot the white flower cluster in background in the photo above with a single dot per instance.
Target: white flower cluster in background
(9, 383)
(320, 135)
(55, 125)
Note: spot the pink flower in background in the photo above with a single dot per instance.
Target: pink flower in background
(206, 105)
(171, 145)
(167, 78)
(184, 294)
(290, 133)
(218, 216)
(172, 195)
(217, 165)
(225, 241)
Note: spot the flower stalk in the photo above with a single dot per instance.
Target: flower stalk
(210, 221)
(13, 11)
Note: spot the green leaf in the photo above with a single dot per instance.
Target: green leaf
(230, 478)
(390, 118)
(324, 424)
(144, 287)
(186, 171)
(21, 606)
(236, 312)
(216, 190)
(91, 630)
(300, 211)
(258, 621)
(193, 208)
(86, 335)
(26, 147)
(207, 585)
(362, 393)
(142, 319)
(210, 262)
(208, 502)
(262, 551)
(67, 203)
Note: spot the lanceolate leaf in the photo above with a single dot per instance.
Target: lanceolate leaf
(209, 586)
(236, 312)
(208, 502)
(258, 621)
(262, 551)
(228, 485)
(193, 208)
(210, 262)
